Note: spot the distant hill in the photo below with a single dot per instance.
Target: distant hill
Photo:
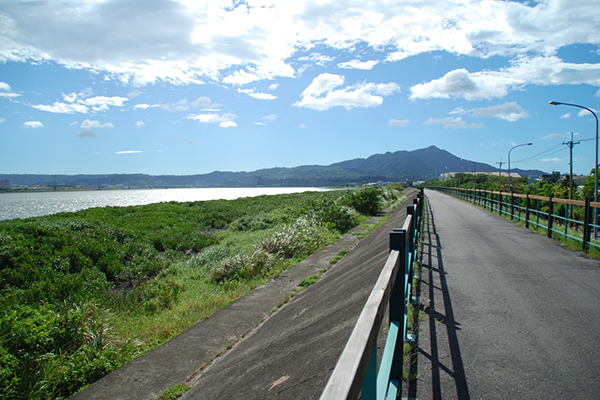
(400, 166)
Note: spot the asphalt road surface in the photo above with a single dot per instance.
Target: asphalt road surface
(508, 313)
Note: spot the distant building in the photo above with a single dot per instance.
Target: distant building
(4, 183)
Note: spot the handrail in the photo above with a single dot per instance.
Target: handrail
(356, 371)
(574, 227)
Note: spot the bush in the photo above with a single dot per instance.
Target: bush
(366, 201)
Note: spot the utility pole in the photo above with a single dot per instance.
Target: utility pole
(571, 144)
(500, 173)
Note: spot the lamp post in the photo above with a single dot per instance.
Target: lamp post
(558, 103)
(514, 147)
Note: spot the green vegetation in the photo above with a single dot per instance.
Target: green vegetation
(174, 392)
(84, 293)
(309, 281)
(340, 255)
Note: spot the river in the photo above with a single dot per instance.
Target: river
(34, 204)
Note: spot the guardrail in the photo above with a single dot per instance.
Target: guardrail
(356, 372)
(568, 218)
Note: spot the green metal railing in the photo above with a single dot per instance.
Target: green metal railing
(356, 373)
(569, 219)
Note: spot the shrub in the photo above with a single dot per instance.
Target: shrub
(366, 201)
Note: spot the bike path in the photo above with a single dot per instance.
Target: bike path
(507, 313)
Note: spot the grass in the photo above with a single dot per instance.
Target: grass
(174, 392)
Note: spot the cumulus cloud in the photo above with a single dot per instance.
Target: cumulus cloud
(553, 136)
(6, 92)
(81, 103)
(257, 95)
(87, 124)
(191, 42)
(509, 111)
(322, 94)
(453, 123)
(398, 122)
(33, 124)
(525, 70)
(357, 64)
(225, 120)
(140, 124)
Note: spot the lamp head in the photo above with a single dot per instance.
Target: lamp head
(555, 103)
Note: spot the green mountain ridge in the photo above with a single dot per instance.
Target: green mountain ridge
(399, 166)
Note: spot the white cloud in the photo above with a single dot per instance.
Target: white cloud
(6, 92)
(398, 122)
(87, 124)
(357, 64)
(274, 86)
(525, 70)
(302, 126)
(459, 83)
(190, 42)
(270, 117)
(181, 105)
(553, 136)
(2, 120)
(553, 160)
(81, 103)
(453, 123)
(260, 123)
(508, 111)
(256, 95)
(129, 152)
(140, 124)
(33, 124)
(566, 116)
(224, 120)
(320, 94)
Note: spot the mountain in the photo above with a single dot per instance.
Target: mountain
(400, 166)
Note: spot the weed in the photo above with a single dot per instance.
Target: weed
(309, 281)
(174, 392)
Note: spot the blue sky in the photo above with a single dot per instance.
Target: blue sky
(187, 87)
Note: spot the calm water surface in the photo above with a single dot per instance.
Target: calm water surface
(32, 204)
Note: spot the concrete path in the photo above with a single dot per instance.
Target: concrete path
(509, 314)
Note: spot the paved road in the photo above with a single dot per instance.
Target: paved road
(510, 314)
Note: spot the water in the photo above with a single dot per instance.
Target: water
(34, 204)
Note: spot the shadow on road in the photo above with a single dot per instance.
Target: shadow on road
(439, 314)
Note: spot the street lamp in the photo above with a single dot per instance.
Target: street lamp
(514, 147)
(558, 103)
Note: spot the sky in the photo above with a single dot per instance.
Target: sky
(189, 87)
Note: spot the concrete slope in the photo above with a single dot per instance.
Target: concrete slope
(181, 359)
(509, 314)
(292, 354)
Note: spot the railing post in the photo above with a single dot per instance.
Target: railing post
(398, 241)
(586, 224)
(550, 218)
(527, 211)
(512, 205)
